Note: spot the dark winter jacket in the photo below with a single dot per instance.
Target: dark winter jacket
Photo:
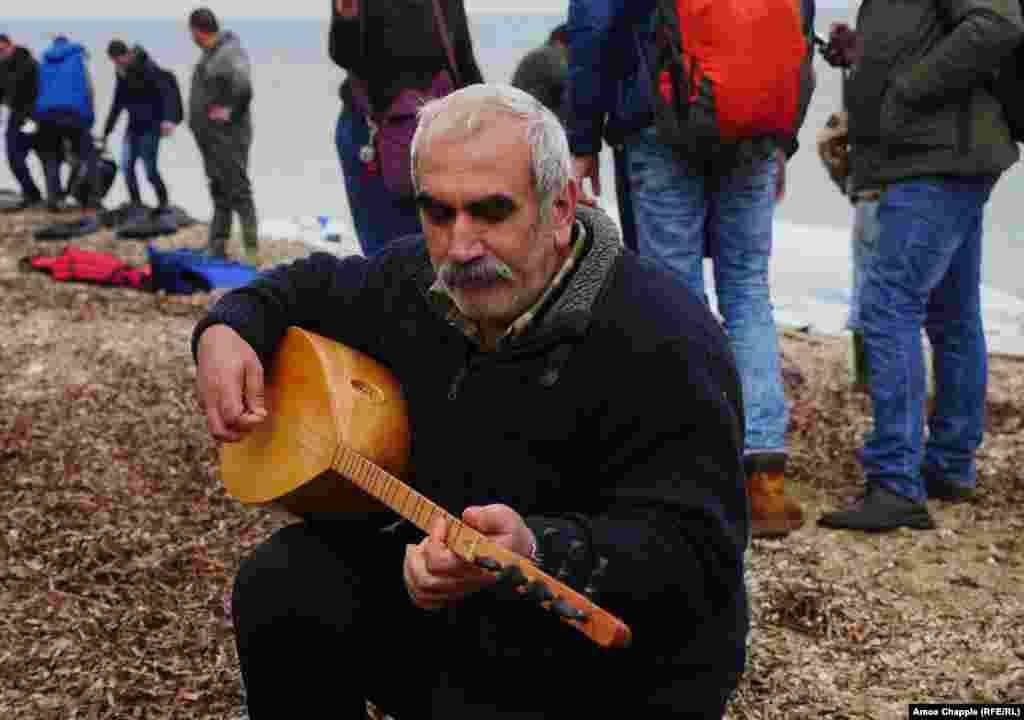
(394, 44)
(144, 91)
(65, 88)
(19, 84)
(611, 51)
(223, 76)
(616, 418)
(918, 99)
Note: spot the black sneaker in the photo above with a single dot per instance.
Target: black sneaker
(940, 488)
(880, 510)
(24, 204)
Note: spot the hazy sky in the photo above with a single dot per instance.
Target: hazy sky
(245, 8)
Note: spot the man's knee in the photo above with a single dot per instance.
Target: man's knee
(285, 576)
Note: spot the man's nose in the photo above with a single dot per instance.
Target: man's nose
(466, 243)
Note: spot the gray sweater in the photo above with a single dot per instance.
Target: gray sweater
(221, 77)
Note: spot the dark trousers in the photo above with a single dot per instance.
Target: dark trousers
(18, 146)
(51, 138)
(145, 147)
(322, 621)
(225, 151)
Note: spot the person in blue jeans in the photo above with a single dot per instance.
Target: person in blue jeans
(684, 209)
(145, 92)
(929, 134)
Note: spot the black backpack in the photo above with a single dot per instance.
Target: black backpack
(177, 104)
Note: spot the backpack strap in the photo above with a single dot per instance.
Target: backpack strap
(446, 40)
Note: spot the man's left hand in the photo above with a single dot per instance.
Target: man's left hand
(435, 576)
(166, 128)
(220, 113)
(780, 177)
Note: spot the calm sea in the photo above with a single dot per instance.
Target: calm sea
(294, 164)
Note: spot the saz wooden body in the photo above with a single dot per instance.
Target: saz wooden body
(321, 396)
(336, 440)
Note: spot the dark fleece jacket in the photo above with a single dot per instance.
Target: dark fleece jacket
(145, 92)
(615, 419)
(19, 83)
(394, 44)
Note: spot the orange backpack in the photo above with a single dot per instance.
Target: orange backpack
(726, 71)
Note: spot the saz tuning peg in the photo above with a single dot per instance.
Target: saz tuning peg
(563, 609)
(513, 576)
(488, 564)
(538, 592)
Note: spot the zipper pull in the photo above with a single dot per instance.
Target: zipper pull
(453, 391)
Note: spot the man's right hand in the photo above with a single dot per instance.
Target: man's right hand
(347, 9)
(229, 384)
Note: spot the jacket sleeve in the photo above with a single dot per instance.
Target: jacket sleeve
(115, 108)
(166, 92)
(469, 70)
(984, 32)
(345, 41)
(595, 28)
(675, 528)
(295, 294)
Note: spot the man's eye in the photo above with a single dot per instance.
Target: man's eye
(438, 214)
(492, 214)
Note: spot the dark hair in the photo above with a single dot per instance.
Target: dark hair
(117, 48)
(559, 35)
(203, 20)
(5, 39)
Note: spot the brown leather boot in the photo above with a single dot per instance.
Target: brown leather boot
(772, 514)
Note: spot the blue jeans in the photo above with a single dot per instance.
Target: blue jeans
(379, 215)
(863, 244)
(18, 146)
(679, 210)
(144, 146)
(926, 274)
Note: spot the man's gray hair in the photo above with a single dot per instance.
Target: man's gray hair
(468, 111)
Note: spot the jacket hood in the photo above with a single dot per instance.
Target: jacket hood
(62, 49)
(226, 41)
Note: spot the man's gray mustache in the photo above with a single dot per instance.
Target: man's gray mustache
(475, 273)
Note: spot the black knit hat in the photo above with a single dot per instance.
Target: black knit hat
(117, 48)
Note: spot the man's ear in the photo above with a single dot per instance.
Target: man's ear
(563, 214)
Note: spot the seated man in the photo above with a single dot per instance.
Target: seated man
(503, 323)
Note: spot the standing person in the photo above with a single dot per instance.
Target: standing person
(65, 114)
(685, 206)
(394, 52)
(544, 71)
(19, 87)
(925, 129)
(219, 116)
(144, 91)
(500, 323)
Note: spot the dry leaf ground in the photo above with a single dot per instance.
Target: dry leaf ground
(117, 543)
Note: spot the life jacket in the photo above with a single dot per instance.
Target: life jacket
(64, 83)
(92, 266)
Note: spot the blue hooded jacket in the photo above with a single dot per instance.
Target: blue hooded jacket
(64, 86)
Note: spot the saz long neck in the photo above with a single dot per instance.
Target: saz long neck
(472, 546)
